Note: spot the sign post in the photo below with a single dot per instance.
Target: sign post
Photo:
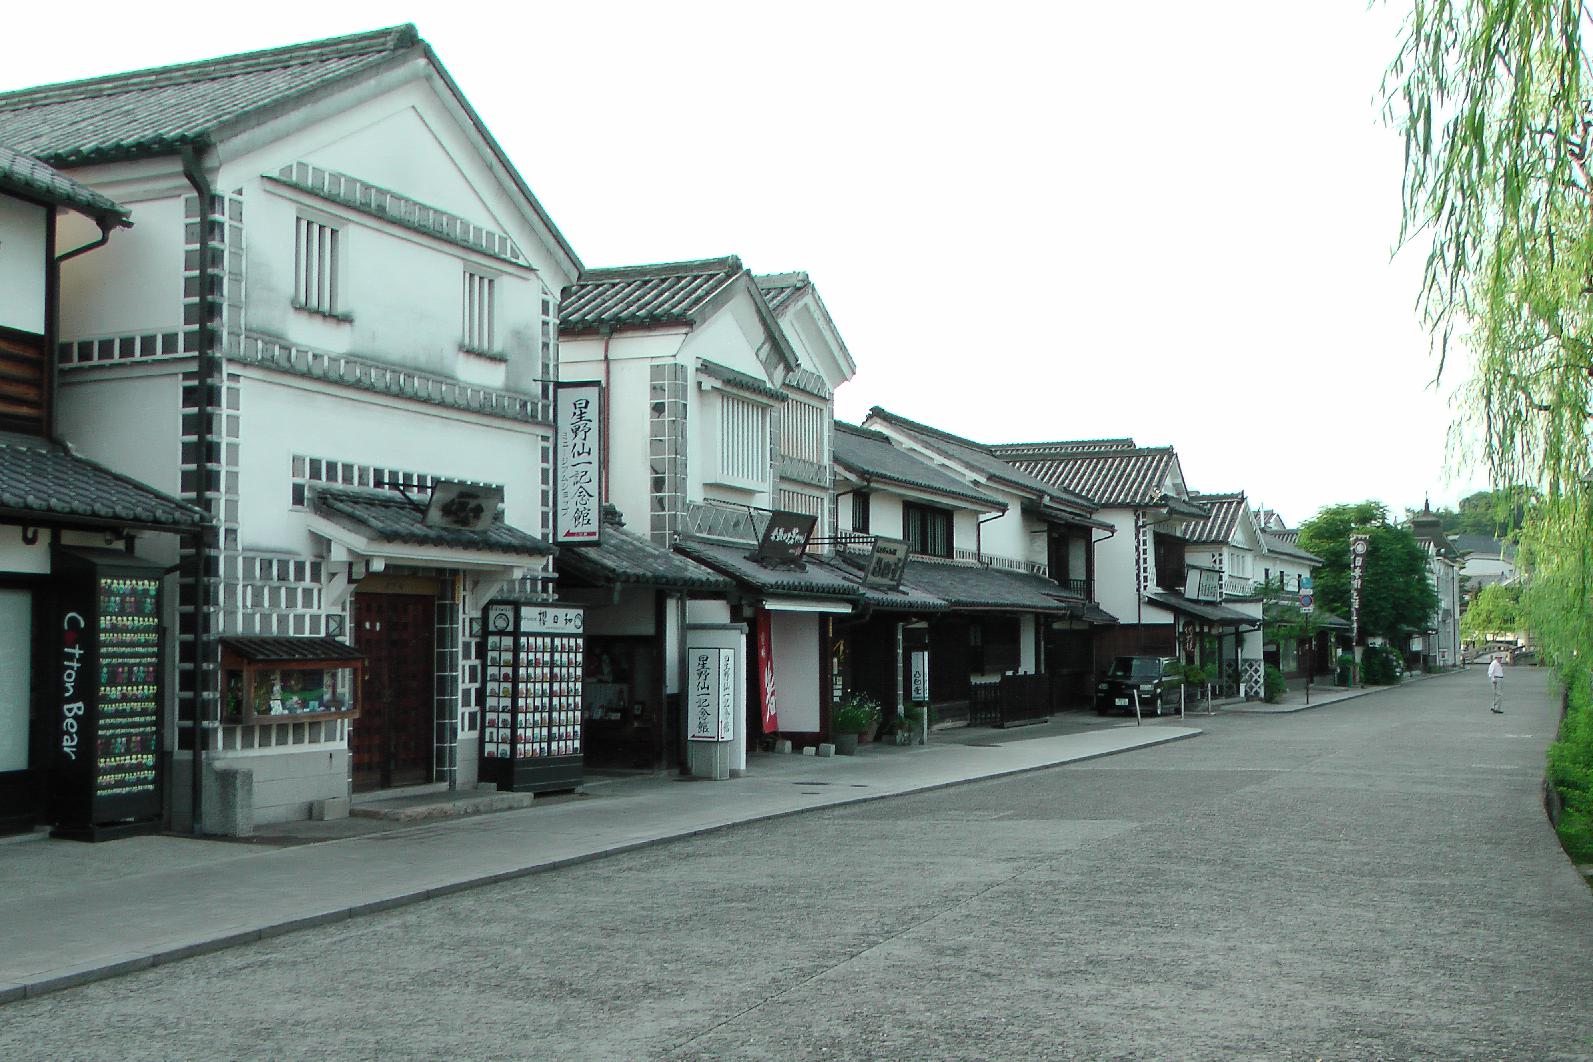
(1359, 545)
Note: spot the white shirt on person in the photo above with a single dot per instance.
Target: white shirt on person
(1495, 669)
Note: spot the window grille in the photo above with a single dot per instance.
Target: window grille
(477, 312)
(743, 440)
(860, 511)
(315, 267)
(803, 431)
(927, 530)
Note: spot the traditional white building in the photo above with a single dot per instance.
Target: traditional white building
(1225, 552)
(1440, 644)
(338, 293)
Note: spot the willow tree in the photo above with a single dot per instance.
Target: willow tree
(1491, 96)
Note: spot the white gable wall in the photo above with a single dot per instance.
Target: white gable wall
(23, 228)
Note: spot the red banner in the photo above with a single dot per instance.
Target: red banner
(771, 712)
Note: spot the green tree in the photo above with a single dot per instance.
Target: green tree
(1495, 610)
(1397, 596)
(1495, 513)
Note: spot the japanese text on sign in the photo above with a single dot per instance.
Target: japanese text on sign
(711, 691)
(579, 464)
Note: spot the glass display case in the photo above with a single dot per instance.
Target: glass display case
(271, 680)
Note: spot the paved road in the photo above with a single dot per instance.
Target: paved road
(1371, 880)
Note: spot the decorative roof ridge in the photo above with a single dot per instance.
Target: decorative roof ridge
(1120, 443)
(1218, 496)
(792, 279)
(372, 42)
(1051, 451)
(938, 433)
(730, 264)
(862, 432)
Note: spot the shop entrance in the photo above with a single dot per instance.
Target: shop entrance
(391, 741)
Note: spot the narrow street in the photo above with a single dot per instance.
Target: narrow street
(1370, 880)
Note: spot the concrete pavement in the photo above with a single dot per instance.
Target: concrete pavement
(73, 913)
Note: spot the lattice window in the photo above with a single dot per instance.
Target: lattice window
(315, 265)
(477, 313)
(743, 440)
(804, 430)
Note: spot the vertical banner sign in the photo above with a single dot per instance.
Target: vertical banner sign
(1358, 547)
(712, 691)
(920, 677)
(578, 466)
(771, 711)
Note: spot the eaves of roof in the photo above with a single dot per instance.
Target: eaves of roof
(873, 457)
(740, 380)
(28, 177)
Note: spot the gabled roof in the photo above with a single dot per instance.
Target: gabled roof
(1275, 542)
(871, 455)
(388, 516)
(43, 483)
(647, 295)
(984, 460)
(782, 291)
(27, 176)
(162, 110)
(1127, 477)
(1225, 512)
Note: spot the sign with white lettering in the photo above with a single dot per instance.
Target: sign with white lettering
(886, 563)
(785, 537)
(1203, 584)
(919, 671)
(578, 464)
(1359, 545)
(711, 694)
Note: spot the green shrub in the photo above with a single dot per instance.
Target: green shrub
(1380, 665)
(855, 714)
(1571, 771)
(1273, 685)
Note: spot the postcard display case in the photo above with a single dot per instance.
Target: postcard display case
(531, 697)
(107, 777)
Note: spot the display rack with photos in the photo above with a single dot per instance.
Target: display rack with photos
(532, 663)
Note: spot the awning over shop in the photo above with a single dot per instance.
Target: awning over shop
(973, 586)
(290, 650)
(1204, 610)
(811, 579)
(42, 484)
(624, 558)
(385, 523)
(1093, 614)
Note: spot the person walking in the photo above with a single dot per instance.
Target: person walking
(1496, 680)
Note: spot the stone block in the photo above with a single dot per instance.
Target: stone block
(231, 811)
(330, 808)
(826, 749)
(809, 750)
(783, 746)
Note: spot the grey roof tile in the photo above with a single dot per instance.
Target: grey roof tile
(640, 296)
(388, 516)
(26, 175)
(41, 479)
(1219, 614)
(1223, 521)
(737, 378)
(812, 580)
(157, 111)
(974, 586)
(1111, 477)
(622, 557)
(782, 290)
(988, 461)
(1277, 543)
(872, 454)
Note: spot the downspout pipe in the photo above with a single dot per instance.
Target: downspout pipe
(607, 331)
(205, 377)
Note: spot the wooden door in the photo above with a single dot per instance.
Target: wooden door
(391, 741)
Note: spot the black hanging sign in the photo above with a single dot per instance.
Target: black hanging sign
(886, 563)
(785, 537)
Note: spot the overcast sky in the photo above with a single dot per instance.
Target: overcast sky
(1165, 220)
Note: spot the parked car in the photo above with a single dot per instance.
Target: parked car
(1156, 678)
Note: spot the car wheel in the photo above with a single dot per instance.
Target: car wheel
(1158, 704)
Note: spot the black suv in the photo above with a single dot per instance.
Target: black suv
(1155, 677)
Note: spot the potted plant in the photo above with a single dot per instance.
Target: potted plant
(855, 713)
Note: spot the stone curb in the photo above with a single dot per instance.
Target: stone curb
(11, 992)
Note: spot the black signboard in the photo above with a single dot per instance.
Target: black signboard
(886, 563)
(106, 679)
(785, 537)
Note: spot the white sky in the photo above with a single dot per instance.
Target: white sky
(1166, 220)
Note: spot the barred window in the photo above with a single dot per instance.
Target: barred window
(860, 511)
(743, 440)
(803, 431)
(477, 331)
(927, 530)
(315, 263)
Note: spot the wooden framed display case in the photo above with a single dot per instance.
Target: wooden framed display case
(532, 660)
(110, 646)
(280, 680)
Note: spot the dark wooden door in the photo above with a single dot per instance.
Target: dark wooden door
(391, 743)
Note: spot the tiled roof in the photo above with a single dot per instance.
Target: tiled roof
(1484, 546)
(1290, 535)
(780, 290)
(872, 455)
(1121, 477)
(263, 650)
(157, 111)
(986, 460)
(1219, 614)
(964, 585)
(388, 516)
(641, 296)
(162, 110)
(905, 598)
(40, 480)
(814, 580)
(27, 176)
(1223, 521)
(622, 557)
(737, 378)
(1276, 543)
